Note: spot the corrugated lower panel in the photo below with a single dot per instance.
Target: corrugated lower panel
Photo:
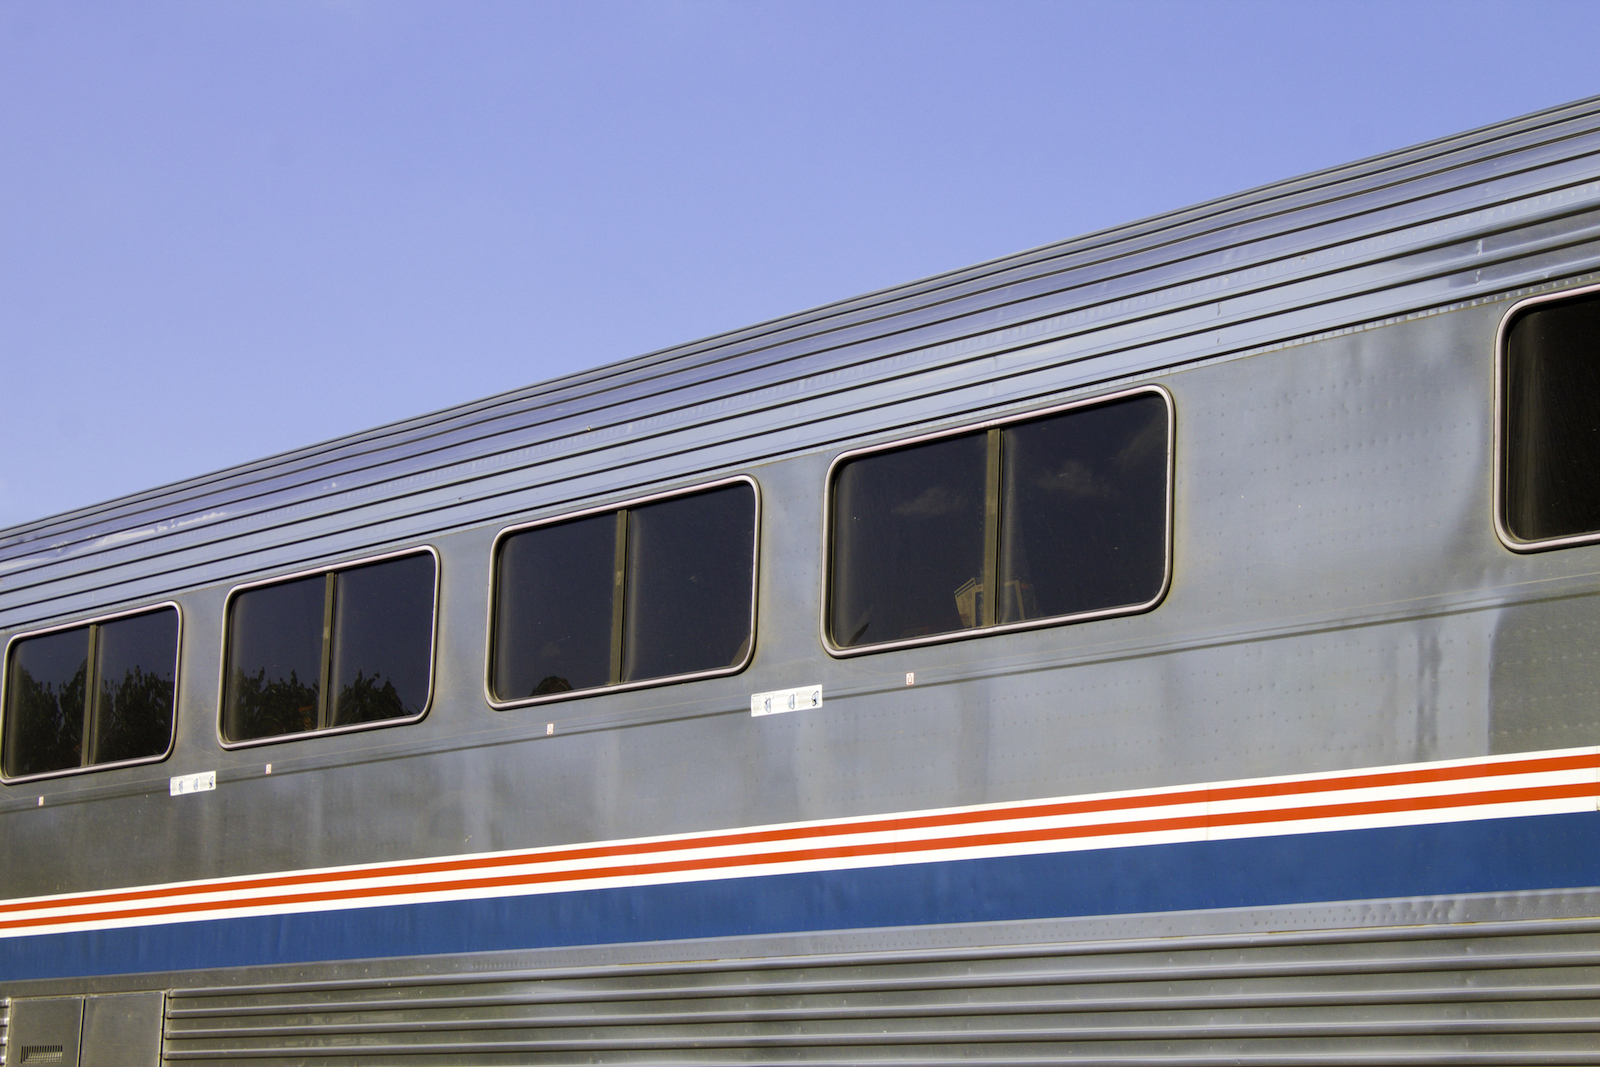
(1373, 998)
(5, 1028)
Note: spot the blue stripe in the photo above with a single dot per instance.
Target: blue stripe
(1499, 855)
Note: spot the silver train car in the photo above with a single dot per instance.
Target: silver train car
(1175, 645)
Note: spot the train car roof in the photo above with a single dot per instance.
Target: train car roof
(1460, 218)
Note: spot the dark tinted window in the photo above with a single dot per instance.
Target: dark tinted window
(691, 571)
(45, 684)
(136, 671)
(364, 633)
(1085, 497)
(1040, 519)
(274, 674)
(96, 694)
(1552, 420)
(655, 591)
(554, 588)
(908, 541)
(382, 640)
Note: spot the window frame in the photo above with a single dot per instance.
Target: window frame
(177, 683)
(1501, 414)
(643, 683)
(332, 568)
(843, 652)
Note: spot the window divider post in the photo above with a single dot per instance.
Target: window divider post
(990, 613)
(619, 594)
(325, 680)
(91, 699)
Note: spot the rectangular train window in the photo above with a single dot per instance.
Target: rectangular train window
(1035, 521)
(333, 650)
(1548, 467)
(96, 694)
(654, 591)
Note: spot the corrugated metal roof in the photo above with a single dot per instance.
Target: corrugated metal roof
(1478, 213)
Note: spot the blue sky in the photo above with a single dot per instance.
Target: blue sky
(231, 229)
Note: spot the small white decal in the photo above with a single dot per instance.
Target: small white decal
(911, 677)
(781, 700)
(193, 783)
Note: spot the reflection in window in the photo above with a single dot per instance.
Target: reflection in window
(1551, 383)
(1084, 502)
(382, 640)
(46, 681)
(275, 659)
(554, 598)
(96, 694)
(908, 538)
(661, 590)
(1037, 520)
(363, 634)
(135, 667)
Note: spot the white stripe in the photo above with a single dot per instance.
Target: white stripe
(882, 845)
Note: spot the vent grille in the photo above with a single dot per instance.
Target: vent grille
(1462, 996)
(41, 1054)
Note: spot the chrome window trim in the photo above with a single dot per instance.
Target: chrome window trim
(839, 652)
(344, 565)
(644, 683)
(177, 680)
(1497, 501)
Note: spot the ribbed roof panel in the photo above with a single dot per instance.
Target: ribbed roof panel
(1509, 205)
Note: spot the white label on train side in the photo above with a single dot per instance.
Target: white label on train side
(193, 783)
(781, 700)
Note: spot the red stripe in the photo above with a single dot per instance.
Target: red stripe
(888, 824)
(1186, 822)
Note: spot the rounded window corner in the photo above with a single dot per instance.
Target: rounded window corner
(94, 694)
(592, 602)
(957, 521)
(1544, 493)
(363, 633)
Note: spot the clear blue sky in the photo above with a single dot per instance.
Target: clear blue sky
(231, 229)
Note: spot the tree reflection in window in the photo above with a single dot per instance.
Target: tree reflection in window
(96, 694)
(362, 633)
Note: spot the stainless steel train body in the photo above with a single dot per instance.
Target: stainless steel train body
(1331, 799)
